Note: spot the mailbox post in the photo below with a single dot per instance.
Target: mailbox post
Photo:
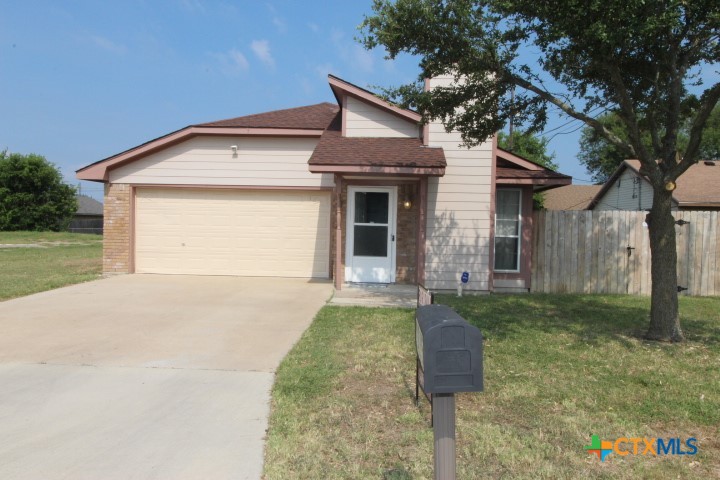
(449, 360)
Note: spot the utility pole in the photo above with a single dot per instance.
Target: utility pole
(512, 104)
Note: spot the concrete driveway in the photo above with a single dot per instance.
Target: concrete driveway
(145, 376)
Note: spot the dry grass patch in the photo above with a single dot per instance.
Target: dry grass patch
(558, 369)
(54, 260)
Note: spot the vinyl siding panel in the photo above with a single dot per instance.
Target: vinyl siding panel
(231, 232)
(210, 161)
(629, 192)
(458, 217)
(365, 120)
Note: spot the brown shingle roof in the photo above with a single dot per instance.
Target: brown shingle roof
(334, 149)
(311, 117)
(699, 186)
(570, 197)
(504, 172)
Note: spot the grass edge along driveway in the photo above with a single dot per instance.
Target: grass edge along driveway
(558, 369)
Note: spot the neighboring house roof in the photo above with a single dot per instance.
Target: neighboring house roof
(570, 197)
(88, 206)
(698, 187)
(335, 153)
(512, 169)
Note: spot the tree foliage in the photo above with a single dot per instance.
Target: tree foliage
(529, 146)
(33, 195)
(634, 57)
(601, 158)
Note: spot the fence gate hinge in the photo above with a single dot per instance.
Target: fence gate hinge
(680, 288)
(681, 222)
(630, 249)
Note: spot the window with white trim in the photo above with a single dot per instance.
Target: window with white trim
(508, 220)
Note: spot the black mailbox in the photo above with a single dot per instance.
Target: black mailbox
(449, 350)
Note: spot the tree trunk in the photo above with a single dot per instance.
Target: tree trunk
(664, 315)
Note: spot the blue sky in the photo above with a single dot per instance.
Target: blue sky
(82, 80)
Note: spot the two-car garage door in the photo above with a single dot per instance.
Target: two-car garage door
(269, 233)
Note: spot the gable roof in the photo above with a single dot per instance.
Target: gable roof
(335, 153)
(312, 117)
(698, 187)
(308, 121)
(512, 169)
(342, 87)
(570, 197)
(88, 206)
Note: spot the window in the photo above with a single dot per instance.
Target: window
(507, 230)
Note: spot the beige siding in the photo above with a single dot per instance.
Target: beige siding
(365, 120)
(264, 161)
(458, 225)
(629, 192)
(230, 232)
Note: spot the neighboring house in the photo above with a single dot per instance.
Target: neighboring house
(626, 189)
(570, 197)
(356, 191)
(89, 216)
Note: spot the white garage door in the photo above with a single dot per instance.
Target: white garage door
(232, 232)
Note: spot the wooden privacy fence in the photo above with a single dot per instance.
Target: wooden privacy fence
(609, 252)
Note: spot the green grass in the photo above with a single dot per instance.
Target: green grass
(558, 368)
(57, 260)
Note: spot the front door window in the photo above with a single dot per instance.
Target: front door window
(371, 235)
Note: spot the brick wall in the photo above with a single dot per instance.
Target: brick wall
(117, 228)
(406, 237)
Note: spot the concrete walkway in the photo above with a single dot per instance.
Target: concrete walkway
(376, 295)
(144, 376)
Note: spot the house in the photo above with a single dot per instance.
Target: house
(89, 216)
(626, 189)
(355, 191)
(570, 197)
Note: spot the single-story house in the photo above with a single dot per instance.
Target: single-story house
(626, 189)
(356, 191)
(89, 216)
(570, 197)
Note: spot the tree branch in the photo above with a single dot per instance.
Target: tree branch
(707, 104)
(647, 161)
(570, 111)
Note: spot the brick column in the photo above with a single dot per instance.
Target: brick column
(117, 229)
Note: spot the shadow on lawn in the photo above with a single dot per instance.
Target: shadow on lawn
(594, 318)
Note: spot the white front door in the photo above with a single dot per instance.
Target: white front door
(370, 245)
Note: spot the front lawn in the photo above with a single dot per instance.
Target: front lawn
(46, 260)
(558, 369)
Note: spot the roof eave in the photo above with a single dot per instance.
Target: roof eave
(372, 169)
(99, 171)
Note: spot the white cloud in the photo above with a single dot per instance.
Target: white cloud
(324, 69)
(108, 45)
(232, 62)
(193, 6)
(363, 59)
(278, 21)
(238, 59)
(261, 48)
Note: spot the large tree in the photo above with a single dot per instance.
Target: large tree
(601, 158)
(33, 195)
(635, 57)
